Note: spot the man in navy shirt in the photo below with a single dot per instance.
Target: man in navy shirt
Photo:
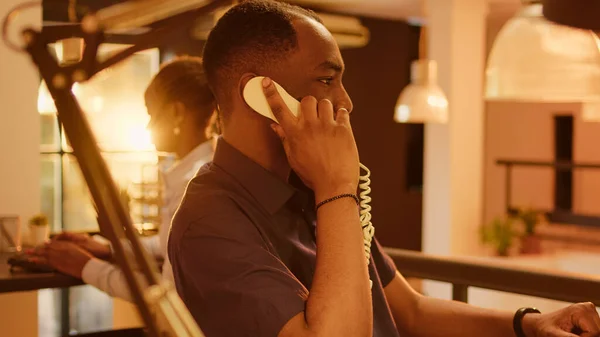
(251, 256)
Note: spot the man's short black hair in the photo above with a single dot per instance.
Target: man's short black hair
(249, 37)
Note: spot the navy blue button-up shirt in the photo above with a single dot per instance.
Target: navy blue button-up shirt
(243, 250)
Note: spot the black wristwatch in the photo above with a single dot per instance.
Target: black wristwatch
(518, 320)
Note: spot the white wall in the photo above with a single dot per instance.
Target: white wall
(453, 153)
(19, 163)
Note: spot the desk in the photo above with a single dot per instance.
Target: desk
(22, 281)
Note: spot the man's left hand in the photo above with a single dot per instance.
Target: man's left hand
(575, 320)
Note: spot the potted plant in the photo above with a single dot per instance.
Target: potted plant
(530, 240)
(39, 229)
(500, 234)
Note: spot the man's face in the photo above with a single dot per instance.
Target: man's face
(315, 68)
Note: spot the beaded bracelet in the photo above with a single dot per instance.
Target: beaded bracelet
(346, 195)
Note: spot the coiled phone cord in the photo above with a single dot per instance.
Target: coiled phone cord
(365, 213)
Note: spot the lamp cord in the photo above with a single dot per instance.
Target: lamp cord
(423, 34)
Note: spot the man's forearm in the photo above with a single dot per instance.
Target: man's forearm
(339, 303)
(442, 318)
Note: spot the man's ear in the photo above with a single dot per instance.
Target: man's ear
(242, 84)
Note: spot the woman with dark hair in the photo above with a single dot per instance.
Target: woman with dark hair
(182, 121)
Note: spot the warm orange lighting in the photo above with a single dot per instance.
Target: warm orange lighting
(113, 101)
(92, 104)
(45, 103)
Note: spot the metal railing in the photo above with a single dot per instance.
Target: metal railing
(463, 273)
(553, 215)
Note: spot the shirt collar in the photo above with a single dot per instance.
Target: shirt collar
(270, 191)
(187, 167)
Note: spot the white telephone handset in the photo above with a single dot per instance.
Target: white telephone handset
(255, 98)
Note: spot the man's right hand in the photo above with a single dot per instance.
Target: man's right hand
(321, 149)
(319, 144)
(83, 240)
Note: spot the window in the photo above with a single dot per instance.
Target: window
(113, 103)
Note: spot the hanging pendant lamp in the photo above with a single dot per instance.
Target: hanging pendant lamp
(536, 60)
(423, 100)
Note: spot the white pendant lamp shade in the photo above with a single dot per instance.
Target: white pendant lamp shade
(422, 101)
(533, 59)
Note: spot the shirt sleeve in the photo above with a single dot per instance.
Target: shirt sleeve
(152, 245)
(227, 276)
(386, 268)
(109, 278)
